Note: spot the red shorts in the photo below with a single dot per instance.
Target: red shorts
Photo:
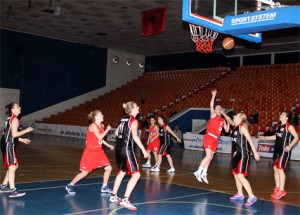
(92, 159)
(154, 146)
(210, 142)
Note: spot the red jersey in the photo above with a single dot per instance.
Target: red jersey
(92, 141)
(215, 125)
(153, 132)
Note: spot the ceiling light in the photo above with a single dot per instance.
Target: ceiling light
(141, 64)
(129, 62)
(115, 59)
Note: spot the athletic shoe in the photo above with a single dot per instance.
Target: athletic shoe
(237, 197)
(114, 198)
(204, 178)
(146, 165)
(251, 201)
(197, 176)
(156, 169)
(14, 193)
(276, 189)
(106, 190)
(278, 194)
(4, 188)
(171, 170)
(125, 203)
(154, 166)
(70, 189)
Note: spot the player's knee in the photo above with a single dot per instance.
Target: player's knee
(136, 175)
(108, 168)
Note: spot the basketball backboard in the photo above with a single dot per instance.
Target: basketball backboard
(240, 18)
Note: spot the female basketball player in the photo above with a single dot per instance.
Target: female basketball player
(211, 138)
(285, 138)
(165, 142)
(11, 136)
(153, 142)
(93, 156)
(240, 138)
(126, 161)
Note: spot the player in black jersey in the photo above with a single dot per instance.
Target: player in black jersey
(241, 140)
(11, 136)
(126, 161)
(285, 138)
(165, 143)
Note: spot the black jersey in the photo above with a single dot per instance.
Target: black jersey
(239, 141)
(124, 133)
(164, 135)
(125, 157)
(283, 137)
(7, 138)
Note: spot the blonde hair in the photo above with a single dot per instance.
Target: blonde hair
(92, 114)
(244, 119)
(128, 107)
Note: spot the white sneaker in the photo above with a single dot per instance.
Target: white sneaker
(171, 170)
(198, 176)
(204, 178)
(125, 203)
(146, 165)
(156, 169)
(114, 198)
(154, 166)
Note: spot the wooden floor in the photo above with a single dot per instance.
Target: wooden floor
(55, 158)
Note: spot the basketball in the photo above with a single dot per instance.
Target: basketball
(228, 43)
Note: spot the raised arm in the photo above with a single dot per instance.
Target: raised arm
(212, 103)
(227, 118)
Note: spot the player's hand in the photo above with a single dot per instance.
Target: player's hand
(26, 141)
(222, 111)
(111, 147)
(287, 148)
(178, 140)
(214, 92)
(145, 153)
(108, 127)
(256, 156)
(261, 137)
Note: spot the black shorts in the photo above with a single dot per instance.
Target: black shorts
(126, 160)
(164, 149)
(240, 163)
(9, 153)
(280, 159)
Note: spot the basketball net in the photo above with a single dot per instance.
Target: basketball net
(203, 37)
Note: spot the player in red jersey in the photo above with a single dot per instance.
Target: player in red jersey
(285, 138)
(211, 138)
(153, 143)
(93, 156)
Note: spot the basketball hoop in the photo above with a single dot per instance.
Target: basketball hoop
(203, 37)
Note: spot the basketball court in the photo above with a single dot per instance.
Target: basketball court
(49, 163)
